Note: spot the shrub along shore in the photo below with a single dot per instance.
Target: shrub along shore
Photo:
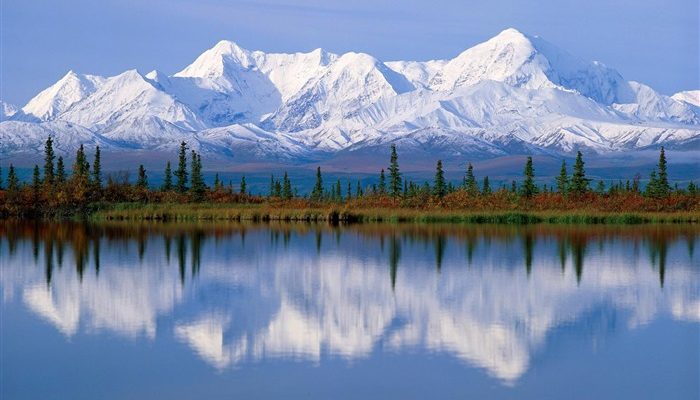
(185, 196)
(282, 212)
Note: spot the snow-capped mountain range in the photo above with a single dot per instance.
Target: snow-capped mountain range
(514, 93)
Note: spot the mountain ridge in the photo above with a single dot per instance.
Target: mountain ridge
(512, 93)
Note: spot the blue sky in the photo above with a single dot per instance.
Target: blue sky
(652, 41)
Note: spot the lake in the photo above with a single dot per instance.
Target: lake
(185, 311)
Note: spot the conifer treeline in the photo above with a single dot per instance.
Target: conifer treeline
(56, 193)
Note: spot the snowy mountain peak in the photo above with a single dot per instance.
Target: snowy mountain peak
(511, 35)
(508, 57)
(512, 93)
(530, 62)
(214, 62)
(129, 103)
(350, 82)
(691, 97)
(62, 95)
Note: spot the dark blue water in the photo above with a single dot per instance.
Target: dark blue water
(308, 311)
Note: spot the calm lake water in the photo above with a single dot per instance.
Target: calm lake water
(130, 311)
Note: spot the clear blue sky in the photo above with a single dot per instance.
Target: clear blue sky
(652, 41)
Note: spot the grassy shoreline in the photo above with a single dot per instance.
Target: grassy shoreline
(271, 212)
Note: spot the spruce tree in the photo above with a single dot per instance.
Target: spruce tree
(243, 185)
(12, 181)
(394, 174)
(529, 188)
(663, 187)
(36, 181)
(196, 179)
(142, 180)
(97, 169)
(167, 178)
(358, 189)
(49, 157)
(470, 181)
(692, 188)
(181, 171)
(439, 186)
(349, 193)
(652, 189)
(338, 191)
(36, 186)
(317, 192)
(278, 189)
(600, 188)
(486, 187)
(579, 182)
(81, 167)
(286, 187)
(513, 187)
(272, 185)
(60, 171)
(382, 183)
(563, 179)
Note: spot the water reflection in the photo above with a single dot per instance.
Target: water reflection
(239, 293)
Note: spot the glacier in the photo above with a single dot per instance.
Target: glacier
(513, 94)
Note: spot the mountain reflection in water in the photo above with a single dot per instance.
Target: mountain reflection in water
(491, 296)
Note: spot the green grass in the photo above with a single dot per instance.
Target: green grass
(267, 212)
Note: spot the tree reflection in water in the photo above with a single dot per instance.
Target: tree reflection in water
(276, 290)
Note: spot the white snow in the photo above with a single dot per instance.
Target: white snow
(513, 88)
(689, 96)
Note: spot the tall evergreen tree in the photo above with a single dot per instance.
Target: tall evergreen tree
(317, 192)
(338, 191)
(12, 181)
(278, 189)
(529, 188)
(167, 178)
(394, 174)
(663, 187)
(60, 171)
(97, 169)
(652, 189)
(81, 168)
(286, 187)
(181, 171)
(439, 186)
(486, 188)
(49, 157)
(470, 181)
(243, 185)
(142, 180)
(36, 185)
(272, 185)
(382, 183)
(579, 182)
(358, 189)
(563, 179)
(198, 187)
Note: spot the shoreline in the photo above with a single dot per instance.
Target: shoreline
(270, 212)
